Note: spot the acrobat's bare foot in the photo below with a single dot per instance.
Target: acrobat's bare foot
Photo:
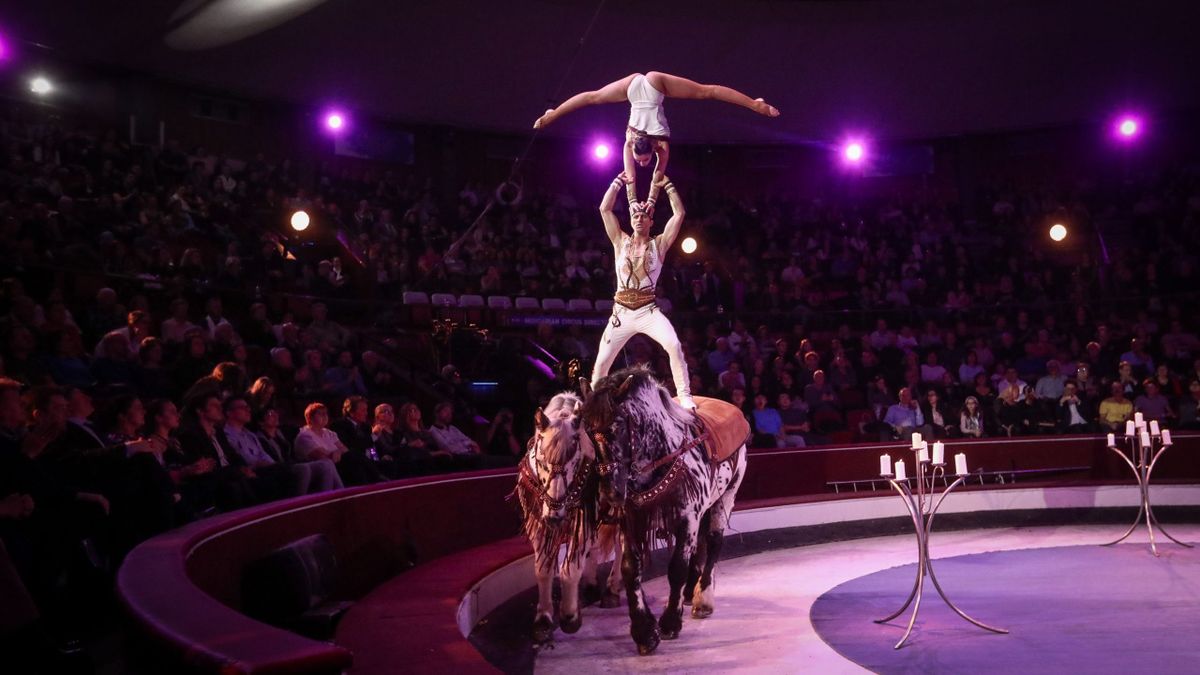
(765, 108)
(548, 117)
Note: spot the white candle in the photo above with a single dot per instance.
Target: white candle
(885, 465)
(1141, 425)
(939, 452)
(1153, 427)
(1137, 417)
(1146, 438)
(923, 453)
(916, 440)
(1166, 436)
(1130, 429)
(960, 464)
(901, 474)
(1112, 441)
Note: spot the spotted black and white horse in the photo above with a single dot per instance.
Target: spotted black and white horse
(656, 470)
(558, 488)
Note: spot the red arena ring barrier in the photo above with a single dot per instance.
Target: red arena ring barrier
(182, 589)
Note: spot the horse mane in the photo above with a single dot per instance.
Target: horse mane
(633, 381)
(560, 414)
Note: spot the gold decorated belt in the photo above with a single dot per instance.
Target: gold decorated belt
(635, 298)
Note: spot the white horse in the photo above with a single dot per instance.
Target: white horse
(558, 488)
(655, 467)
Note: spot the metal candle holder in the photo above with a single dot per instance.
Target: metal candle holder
(1141, 459)
(922, 507)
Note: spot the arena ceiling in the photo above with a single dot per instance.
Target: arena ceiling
(889, 68)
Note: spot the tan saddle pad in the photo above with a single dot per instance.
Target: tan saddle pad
(726, 425)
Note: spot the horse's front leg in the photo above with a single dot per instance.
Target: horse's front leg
(677, 575)
(543, 620)
(571, 617)
(642, 626)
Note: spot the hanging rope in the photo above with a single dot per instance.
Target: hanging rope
(510, 190)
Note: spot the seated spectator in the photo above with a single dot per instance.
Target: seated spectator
(356, 466)
(1010, 412)
(322, 330)
(1010, 379)
(1128, 379)
(70, 366)
(931, 370)
(377, 375)
(1035, 417)
(818, 395)
(1050, 386)
(937, 417)
(720, 358)
(794, 417)
(310, 377)
(1168, 383)
(1115, 410)
(176, 328)
(1189, 407)
(767, 425)
(970, 420)
(419, 444)
(194, 363)
(841, 373)
(1153, 405)
(116, 367)
(343, 379)
(152, 379)
(229, 480)
(1138, 358)
(733, 377)
(501, 441)
(261, 396)
(970, 368)
(903, 418)
(1074, 412)
(448, 436)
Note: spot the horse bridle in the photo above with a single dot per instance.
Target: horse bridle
(575, 486)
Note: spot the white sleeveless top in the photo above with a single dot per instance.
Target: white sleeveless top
(645, 108)
(650, 267)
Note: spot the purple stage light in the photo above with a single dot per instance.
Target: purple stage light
(854, 152)
(600, 151)
(1128, 127)
(335, 121)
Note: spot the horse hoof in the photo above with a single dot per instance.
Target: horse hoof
(571, 625)
(610, 600)
(649, 642)
(701, 612)
(543, 630)
(670, 624)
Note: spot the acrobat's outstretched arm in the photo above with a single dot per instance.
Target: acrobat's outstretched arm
(612, 227)
(671, 231)
(613, 92)
(674, 86)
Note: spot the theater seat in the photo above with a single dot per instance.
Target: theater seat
(414, 298)
(665, 305)
(604, 305)
(470, 301)
(444, 300)
(292, 588)
(499, 302)
(579, 305)
(554, 304)
(528, 303)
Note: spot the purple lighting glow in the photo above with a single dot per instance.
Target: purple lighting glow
(334, 121)
(600, 151)
(1128, 127)
(854, 152)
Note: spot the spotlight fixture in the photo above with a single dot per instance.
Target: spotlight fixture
(40, 85)
(300, 221)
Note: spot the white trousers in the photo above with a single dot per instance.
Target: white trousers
(651, 322)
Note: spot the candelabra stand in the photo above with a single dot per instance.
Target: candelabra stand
(1141, 458)
(923, 507)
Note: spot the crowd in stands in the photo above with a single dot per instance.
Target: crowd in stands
(180, 384)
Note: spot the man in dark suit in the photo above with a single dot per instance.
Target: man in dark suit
(1075, 414)
(230, 481)
(356, 466)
